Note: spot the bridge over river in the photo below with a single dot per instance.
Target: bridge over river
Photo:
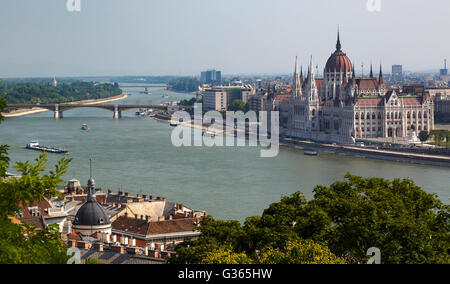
(117, 109)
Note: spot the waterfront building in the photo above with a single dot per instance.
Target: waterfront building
(258, 101)
(442, 102)
(341, 108)
(247, 91)
(211, 77)
(215, 98)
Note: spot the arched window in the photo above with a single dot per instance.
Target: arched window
(379, 115)
(357, 116)
(368, 115)
(373, 116)
(362, 115)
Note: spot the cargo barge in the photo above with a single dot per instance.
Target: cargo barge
(34, 145)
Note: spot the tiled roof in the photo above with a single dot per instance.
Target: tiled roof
(141, 227)
(101, 198)
(283, 98)
(319, 82)
(37, 222)
(370, 102)
(410, 101)
(367, 84)
(42, 205)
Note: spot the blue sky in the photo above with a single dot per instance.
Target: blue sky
(183, 37)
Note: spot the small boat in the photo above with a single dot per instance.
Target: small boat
(310, 153)
(34, 145)
(85, 127)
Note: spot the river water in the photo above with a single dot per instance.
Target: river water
(136, 155)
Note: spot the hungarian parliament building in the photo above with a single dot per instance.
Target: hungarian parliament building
(342, 108)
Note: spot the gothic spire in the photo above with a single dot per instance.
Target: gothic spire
(338, 44)
(371, 71)
(380, 77)
(297, 84)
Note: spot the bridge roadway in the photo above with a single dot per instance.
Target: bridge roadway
(117, 109)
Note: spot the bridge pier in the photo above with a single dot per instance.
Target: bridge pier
(117, 112)
(58, 113)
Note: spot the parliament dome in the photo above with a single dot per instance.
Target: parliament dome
(338, 61)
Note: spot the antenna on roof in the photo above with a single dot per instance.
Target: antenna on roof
(90, 167)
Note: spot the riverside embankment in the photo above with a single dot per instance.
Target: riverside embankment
(363, 152)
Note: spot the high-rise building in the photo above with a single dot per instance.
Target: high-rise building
(211, 77)
(444, 72)
(397, 73)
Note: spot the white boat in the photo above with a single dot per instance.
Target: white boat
(85, 127)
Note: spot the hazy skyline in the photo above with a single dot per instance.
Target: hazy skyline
(183, 37)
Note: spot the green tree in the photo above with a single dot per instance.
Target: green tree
(338, 225)
(21, 243)
(226, 256)
(300, 252)
(398, 217)
(423, 136)
(238, 105)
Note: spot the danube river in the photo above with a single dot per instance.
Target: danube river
(136, 155)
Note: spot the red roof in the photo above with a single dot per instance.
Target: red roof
(370, 102)
(367, 84)
(141, 227)
(283, 98)
(338, 62)
(410, 101)
(42, 205)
